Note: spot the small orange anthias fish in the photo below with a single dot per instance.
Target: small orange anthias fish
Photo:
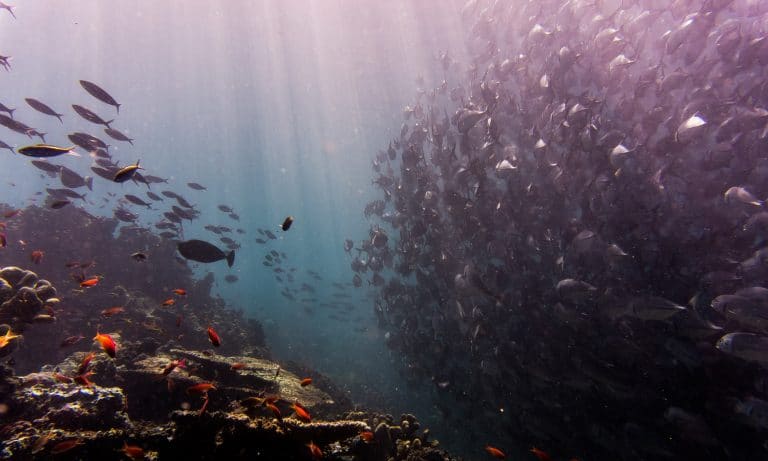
(61, 378)
(366, 436)
(495, 452)
(200, 389)
(316, 452)
(85, 362)
(301, 412)
(36, 256)
(275, 411)
(214, 337)
(83, 379)
(107, 343)
(91, 282)
(133, 451)
(65, 446)
(112, 311)
(180, 292)
(173, 365)
(168, 302)
(306, 382)
(542, 455)
(237, 366)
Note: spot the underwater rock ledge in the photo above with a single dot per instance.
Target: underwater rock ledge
(46, 417)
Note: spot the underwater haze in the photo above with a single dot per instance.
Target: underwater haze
(364, 230)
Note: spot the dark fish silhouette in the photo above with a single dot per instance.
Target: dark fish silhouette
(3, 108)
(8, 7)
(287, 223)
(47, 167)
(86, 141)
(154, 196)
(90, 115)
(97, 92)
(204, 252)
(43, 108)
(195, 186)
(73, 180)
(114, 134)
(16, 126)
(137, 201)
(6, 146)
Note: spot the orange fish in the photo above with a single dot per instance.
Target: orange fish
(85, 362)
(36, 256)
(367, 436)
(3, 240)
(112, 311)
(301, 412)
(11, 213)
(71, 340)
(7, 337)
(180, 292)
(61, 378)
(133, 451)
(271, 399)
(495, 452)
(83, 379)
(200, 389)
(168, 302)
(306, 382)
(65, 446)
(316, 452)
(107, 343)
(275, 411)
(214, 337)
(91, 282)
(237, 366)
(205, 405)
(542, 455)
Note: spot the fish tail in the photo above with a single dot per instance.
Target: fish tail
(11, 111)
(107, 123)
(231, 258)
(89, 182)
(58, 116)
(118, 109)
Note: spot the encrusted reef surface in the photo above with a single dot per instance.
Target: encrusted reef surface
(247, 414)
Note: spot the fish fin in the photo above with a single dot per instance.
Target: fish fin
(89, 182)
(11, 111)
(118, 109)
(107, 123)
(231, 258)
(58, 116)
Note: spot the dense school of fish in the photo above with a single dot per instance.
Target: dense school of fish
(572, 238)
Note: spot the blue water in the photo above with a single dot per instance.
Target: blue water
(276, 107)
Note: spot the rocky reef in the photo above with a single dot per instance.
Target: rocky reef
(155, 410)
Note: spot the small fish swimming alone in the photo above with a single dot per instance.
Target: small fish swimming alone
(97, 92)
(204, 252)
(126, 173)
(196, 186)
(44, 150)
(287, 223)
(214, 337)
(107, 343)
